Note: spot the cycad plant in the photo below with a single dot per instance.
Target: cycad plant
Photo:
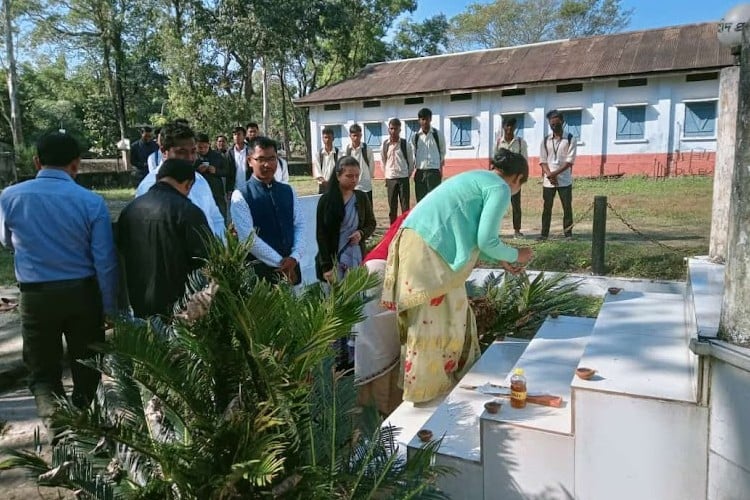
(236, 398)
(514, 305)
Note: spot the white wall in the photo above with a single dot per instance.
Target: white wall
(664, 96)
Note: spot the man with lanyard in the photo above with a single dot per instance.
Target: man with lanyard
(510, 141)
(429, 155)
(269, 212)
(556, 157)
(66, 266)
(364, 157)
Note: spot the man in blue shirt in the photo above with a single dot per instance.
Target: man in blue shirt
(66, 266)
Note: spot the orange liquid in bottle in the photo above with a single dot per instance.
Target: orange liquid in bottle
(518, 389)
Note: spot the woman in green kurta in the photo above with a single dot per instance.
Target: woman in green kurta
(429, 262)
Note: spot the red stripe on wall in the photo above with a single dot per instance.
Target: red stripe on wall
(649, 164)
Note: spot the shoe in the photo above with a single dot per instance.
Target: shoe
(518, 234)
(568, 236)
(541, 238)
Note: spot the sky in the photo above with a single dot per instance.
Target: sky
(647, 14)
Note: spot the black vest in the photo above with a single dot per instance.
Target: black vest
(272, 208)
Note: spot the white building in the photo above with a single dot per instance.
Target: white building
(640, 102)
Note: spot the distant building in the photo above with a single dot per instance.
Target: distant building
(643, 102)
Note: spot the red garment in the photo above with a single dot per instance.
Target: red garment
(380, 252)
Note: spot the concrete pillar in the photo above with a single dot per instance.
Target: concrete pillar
(735, 320)
(726, 141)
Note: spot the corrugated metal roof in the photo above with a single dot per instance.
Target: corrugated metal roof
(692, 47)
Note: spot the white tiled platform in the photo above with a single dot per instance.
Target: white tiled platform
(639, 348)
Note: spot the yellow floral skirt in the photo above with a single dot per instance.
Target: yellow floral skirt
(436, 325)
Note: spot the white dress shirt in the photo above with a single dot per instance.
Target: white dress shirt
(243, 222)
(240, 163)
(282, 171)
(201, 197)
(154, 160)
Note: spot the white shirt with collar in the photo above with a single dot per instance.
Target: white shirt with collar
(240, 164)
(328, 165)
(201, 197)
(515, 145)
(366, 168)
(243, 222)
(427, 153)
(282, 171)
(556, 153)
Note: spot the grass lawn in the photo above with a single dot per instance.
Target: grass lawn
(674, 211)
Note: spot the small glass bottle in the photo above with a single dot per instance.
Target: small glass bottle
(518, 389)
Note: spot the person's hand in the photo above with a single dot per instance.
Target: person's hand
(328, 276)
(524, 255)
(510, 268)
(287, 268)
(320, 180)
(356, 237)
(202, 168)
(211, 169)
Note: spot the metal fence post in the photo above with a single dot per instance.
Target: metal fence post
(598, 235)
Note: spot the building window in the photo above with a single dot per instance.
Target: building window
(460, 97)
(373, 134)
(331, 107)
(573, 122)
(412, 127)
(371, 104)
(700, 119)
(702, 77)
(512, 92)
(632, 82)
(519, 122)
(569, 87)
(461, 131)
(414, 100)
(630, 122)
(336, 134)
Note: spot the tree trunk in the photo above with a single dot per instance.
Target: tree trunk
(266, 97)
(118, 87)
(15, 110)
(284, 118)
(735, 322)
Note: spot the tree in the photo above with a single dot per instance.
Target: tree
(16, 126)
(428, 38)
(505, 23)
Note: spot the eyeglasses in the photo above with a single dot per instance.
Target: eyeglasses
(264, 159)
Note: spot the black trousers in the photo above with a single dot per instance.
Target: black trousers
(515, 202)
(425, 181)
(566, 198)
(398, 190)
(48, 311)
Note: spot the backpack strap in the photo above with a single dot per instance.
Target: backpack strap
(437, 140)
(364, 155)
(403, 150)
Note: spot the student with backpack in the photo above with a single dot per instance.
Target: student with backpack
(429, 155)
(325, 163)
(398, 163)
(364, 157)
(556, 157)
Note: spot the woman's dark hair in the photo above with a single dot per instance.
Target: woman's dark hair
(335, 206)
(510, 163)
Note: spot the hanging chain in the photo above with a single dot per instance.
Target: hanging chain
(641, 234)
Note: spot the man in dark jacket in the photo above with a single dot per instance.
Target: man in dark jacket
(140, 151)
(161, 236)
(212, 166)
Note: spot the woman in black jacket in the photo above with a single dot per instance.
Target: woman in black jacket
(344, 221)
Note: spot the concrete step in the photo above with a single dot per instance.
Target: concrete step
(705, 291)
(529, 452)
(637, 424)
